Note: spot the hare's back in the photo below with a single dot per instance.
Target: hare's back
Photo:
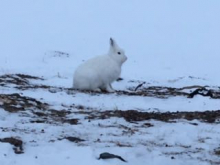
(98, 63)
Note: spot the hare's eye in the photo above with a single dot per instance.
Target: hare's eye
(119, 53)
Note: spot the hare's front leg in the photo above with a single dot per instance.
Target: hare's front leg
(97, 90)
(109, 88)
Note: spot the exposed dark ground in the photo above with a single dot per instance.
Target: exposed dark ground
(16, 102)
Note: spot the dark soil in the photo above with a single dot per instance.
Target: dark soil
(23, 82)
(73, 139)
(217, 151)
(17, 79)
(165, 92)
(135, 116)
(44, 114)
(16, 102)
(17, 144)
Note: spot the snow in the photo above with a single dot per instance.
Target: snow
(168, 43)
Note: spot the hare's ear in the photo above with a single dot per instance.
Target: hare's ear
(113, 46)
(112, 42)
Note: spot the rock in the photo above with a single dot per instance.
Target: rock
(106, 155)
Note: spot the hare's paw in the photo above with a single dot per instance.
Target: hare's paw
(109, 89)
(97, 90)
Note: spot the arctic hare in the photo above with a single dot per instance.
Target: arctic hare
(98, 73)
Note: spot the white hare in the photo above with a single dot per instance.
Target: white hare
(98, 73)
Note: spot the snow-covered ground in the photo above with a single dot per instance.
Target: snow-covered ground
(168, 44)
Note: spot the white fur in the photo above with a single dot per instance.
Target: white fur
(99, 72)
